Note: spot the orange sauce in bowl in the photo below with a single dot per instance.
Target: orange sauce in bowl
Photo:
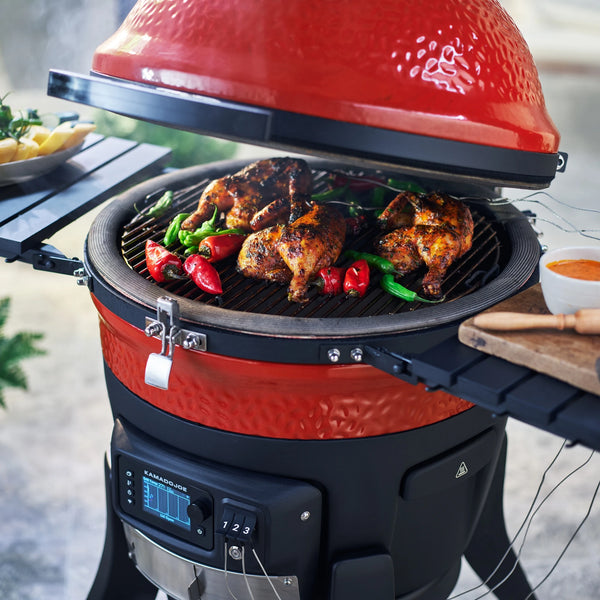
(577, 268)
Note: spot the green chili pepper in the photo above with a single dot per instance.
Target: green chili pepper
(193, 238)
(162, 205)
(407, 186)
(182, 236)
(331, 193)
(207, 229)
(174, 228)
(378, 196)
(354, 207)
(391, 286)
(378, 262)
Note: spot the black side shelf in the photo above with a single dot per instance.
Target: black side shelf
(33, 210)
(501, 387)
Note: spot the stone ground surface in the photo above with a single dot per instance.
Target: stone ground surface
(52, 438)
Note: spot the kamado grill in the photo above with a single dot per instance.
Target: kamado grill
(269, 449)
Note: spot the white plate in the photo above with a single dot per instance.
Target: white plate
(22, 170)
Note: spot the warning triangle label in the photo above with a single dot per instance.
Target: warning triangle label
(462, 470)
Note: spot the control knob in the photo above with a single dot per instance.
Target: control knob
(198, 511)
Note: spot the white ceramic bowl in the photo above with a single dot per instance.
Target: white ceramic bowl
(566, 295)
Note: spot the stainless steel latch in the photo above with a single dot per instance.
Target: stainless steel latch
(166, 328)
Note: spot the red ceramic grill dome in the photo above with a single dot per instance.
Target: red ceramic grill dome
(451, 69)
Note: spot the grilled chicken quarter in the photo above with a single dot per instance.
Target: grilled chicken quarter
(432, 229)
(295, 252)
(264, 193)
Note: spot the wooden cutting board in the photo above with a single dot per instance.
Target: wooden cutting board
(565, 355)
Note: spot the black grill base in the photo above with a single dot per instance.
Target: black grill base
(379, 500)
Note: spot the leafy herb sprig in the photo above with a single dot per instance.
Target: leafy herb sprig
(16, 126)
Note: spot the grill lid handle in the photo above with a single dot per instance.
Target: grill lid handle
(166, 328)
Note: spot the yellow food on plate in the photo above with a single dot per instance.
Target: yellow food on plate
(42, 141)
(80, 130)
(26, 148)
(57, 138)
(38, 133)
(8, 148)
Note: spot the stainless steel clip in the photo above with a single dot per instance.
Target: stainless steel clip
(166, 327)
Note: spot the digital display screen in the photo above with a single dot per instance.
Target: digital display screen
(166, 503)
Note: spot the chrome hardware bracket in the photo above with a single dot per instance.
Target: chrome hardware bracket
(166, 328)
(47, 258)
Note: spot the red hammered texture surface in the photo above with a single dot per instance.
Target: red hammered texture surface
(272, 399)
(455, 69)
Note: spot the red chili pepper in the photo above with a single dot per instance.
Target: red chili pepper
(356, 225)
(203, 274)
(358, 184)
(162, 264)
(356, 280)
(217, 247)
(331, 280)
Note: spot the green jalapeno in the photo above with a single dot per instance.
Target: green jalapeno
(329, 194)
(207, 229)
(378, 196)
(194, 238)
(183, 236)
(354, 207)
(162, 205)
(407, 186)
(172, 233)
(378, 262)
(391, 286)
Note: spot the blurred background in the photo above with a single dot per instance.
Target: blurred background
(53, 436)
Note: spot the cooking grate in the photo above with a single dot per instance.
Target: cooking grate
(485, 259)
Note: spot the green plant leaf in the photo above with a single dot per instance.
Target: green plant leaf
(18, 347)
(4, 306)
(12, 351)
(12, 376)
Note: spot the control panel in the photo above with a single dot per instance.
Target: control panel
(168, 501)
(204, 511)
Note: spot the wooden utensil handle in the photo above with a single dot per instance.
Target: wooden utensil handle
(587, 320)
(583, 321)
(508, 321)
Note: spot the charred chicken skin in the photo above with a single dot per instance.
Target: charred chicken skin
(295, 252)
(432, 229)
(263, 193)
(259, 259)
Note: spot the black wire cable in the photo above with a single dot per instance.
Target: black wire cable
(525, 520)
(587, 514)
(518, 555)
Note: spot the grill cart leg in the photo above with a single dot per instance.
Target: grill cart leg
(117, 578)
(490, 541)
